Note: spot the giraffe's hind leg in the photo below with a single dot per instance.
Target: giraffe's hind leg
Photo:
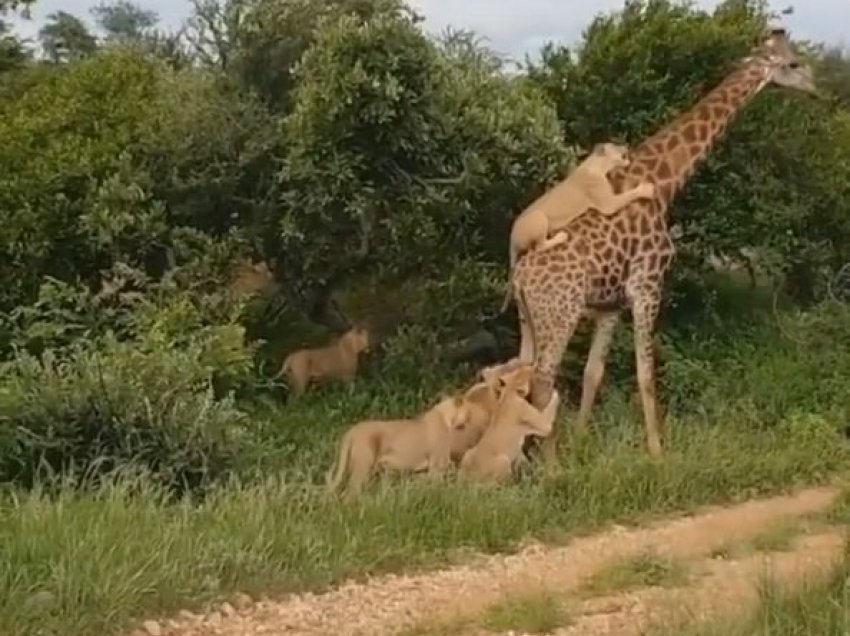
(526, 348)
(594, 368)
(553, 324)
(645, 305)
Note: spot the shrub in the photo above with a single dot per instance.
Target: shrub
(104, 160)
(417, 161)
(148, 403)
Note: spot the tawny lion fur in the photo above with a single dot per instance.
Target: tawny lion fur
(410, 445)
(493, 458)
(250, 278)
(585, 188)
(338, 360)
(481, 399)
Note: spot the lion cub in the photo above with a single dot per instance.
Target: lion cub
(338, 360)
(413, 445)
(492, 460)
(585, 188)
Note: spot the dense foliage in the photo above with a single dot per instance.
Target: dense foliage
(148, 455)
(375, 168)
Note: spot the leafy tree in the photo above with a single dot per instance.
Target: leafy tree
(12, 52)
(123, 19)
(214, 160)
(64, 38)
(636, 69)
(107, 159)
(62, 138)
(213, 29)
(833, 72)
(397, 153)
(272, 35)
(11, 5)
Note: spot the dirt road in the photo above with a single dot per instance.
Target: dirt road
(715, 548)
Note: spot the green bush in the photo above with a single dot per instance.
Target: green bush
(67, 143)
(149, 403)
(413, 166)
(103, 160)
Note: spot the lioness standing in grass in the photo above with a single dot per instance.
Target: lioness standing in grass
(493, 458)
(410, 445)
(338, 360)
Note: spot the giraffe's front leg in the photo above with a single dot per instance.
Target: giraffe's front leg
(645, 307)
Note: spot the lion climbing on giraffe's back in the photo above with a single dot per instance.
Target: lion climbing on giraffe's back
(609, 264)
(586, 188)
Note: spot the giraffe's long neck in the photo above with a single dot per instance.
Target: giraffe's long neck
(671, 155)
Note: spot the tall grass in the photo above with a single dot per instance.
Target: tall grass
(756, 412)
(85, 563)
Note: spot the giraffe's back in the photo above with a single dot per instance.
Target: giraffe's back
(597, 259)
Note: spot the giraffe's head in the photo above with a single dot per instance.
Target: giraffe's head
(784, 67)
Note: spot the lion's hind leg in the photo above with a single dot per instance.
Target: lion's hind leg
(556, 239)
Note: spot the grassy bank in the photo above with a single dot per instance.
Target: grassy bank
(84, 564)
(752, 409)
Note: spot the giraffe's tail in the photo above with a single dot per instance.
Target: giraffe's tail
(525, 315)
(508, 294)
(512, 258)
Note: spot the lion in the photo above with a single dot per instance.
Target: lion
(411, 445)
(587, 187)
(493, 458)
(482, 400)
(338, 360)
(249, 279)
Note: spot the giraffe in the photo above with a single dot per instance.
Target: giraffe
(612, 263)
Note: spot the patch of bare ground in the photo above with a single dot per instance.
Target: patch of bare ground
(724, 588)
(390, 605)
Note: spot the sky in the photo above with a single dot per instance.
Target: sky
(511, 27)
